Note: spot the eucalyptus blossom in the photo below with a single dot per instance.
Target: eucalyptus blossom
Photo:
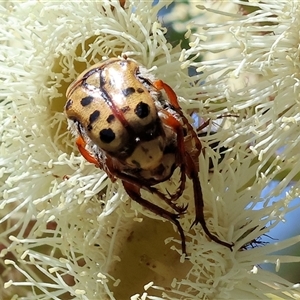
(68, 231)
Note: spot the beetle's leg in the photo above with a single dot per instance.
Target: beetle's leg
(160, 85)
(180, 188)
(208, 121)
(169, 201)
(203, 125)
(168, 119)
(199, 204)
(192, 171)
(134, 192)
(85, 153)
(142, 184)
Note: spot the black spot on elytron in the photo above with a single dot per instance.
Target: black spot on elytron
(140, 90)
(110, 118)
(125, 109)
(128, 91)
(142, 110)
(94, 116)
(107, 135)
(69, 104)
(86, 100)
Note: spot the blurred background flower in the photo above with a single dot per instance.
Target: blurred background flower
(67, 232)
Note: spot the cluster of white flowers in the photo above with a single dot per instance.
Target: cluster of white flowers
(67, 231)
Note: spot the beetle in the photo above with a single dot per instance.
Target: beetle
(130, 125)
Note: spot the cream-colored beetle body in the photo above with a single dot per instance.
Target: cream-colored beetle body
(113, 104)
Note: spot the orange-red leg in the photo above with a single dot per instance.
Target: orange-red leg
(160, 85)
(85, 153)
(187, 161)
(171, 121)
